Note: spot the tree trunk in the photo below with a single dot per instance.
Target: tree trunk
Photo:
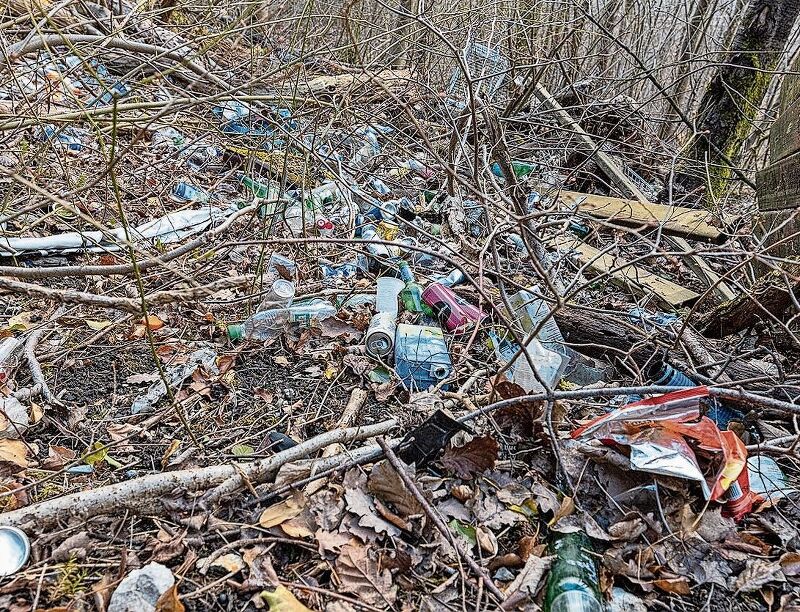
(736, 92)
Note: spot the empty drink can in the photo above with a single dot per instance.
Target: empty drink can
(379, 340)
(455, 313)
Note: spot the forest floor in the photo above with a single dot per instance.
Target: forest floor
(301, 471)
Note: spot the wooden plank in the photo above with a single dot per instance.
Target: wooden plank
(630, 275)
(719, 289)
(687, 222)
(780, 232)
(607, 165)
(777, 186)
(790, 89)
(784, 135)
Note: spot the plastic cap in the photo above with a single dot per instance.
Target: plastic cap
(235, 332)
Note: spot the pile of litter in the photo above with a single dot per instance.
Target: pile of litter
(258, 355)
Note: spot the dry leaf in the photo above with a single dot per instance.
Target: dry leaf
(20, 321)
(756, 574)
(58, 457)
(475, 457)
(230, 562)
(280, 360)
(530, 577)
(677, 586)
(567, 507)
(385, 484)
(171, 450)
(790, 564)
(283, 511)
(169, 601)
(361, 575)
(282, 600)
(98, 325)
(262, 574)
(14, 452)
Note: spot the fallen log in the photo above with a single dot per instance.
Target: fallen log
(766, 300)
(615, 338)
(144, 495)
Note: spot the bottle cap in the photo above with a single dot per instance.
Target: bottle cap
(235, 332)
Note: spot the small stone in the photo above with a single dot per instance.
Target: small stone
(141, 589)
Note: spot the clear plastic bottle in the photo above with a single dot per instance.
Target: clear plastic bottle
(269, 324)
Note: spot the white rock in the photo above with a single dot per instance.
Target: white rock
(141, 589)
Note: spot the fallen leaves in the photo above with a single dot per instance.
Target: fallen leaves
(361, 575)
(475, 457)
(13, 454)
(282, 600)
(283, 511)
(756, 574)
(385, 483)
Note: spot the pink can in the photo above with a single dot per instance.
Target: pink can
(455, 313)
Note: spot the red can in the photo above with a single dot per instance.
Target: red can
(455, 313)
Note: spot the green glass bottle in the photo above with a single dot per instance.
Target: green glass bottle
(269, 190)
(573, 583)
(411, 294)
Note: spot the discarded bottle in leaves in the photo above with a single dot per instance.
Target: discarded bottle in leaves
(574, 582)
(532, 312)
(280, 295)
(268, 324)
(548, 364)
(663, 374)
(421, 357)
(520, 169)
(379, 339)
(184, 192)
(370, 232)
(9, 361)
(454, 312)
(455, 277)
(265, 191)
(411, 294)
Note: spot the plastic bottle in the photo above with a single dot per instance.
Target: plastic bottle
(411, 294)
(9, 361)
(574, 583)
(280, 295)
(455, 277)
(521, 169)
(548, 364)
(268, 324)
(370, 232)
(184, 192)
(532, 312)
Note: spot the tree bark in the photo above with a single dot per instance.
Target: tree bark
(735, 94)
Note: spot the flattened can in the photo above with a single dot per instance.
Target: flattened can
(455, 313)
(379, 340)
